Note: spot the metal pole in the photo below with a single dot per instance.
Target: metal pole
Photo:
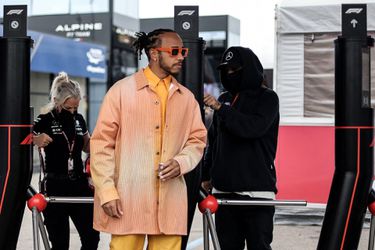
(206, 236)
(372, 233)
(211, 225)
(43, 232)
(54, 199)
(261, 202)
(35, 228)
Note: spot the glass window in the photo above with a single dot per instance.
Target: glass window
(124, 63)
(213, 38)
(233, 39)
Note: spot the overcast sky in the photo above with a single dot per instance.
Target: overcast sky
(257, 19)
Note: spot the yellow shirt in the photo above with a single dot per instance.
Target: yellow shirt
(161, 87)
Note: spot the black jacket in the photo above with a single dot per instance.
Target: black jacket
(243, 139)
(57, 153)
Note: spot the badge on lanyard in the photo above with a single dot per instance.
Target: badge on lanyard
(70, 159)
(70, 163)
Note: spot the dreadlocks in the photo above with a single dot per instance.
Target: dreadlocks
(148, 41)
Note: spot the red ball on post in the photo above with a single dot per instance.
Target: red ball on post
(371, 208)
(209, 202)
(38, 201)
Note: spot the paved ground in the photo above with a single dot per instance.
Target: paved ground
(295, 229)
(286, 237)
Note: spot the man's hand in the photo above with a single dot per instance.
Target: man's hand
(42, 140)
(211, 102)
(113, 208)
(169, 170)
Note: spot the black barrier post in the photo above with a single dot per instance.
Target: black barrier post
(186, 24)
(15, 127)
(352, 179)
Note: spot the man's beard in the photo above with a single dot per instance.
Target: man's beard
(167, 69)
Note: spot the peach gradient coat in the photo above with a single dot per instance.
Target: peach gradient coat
(125, 153)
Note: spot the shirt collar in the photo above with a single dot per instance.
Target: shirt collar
(153, 79)
(141, 81)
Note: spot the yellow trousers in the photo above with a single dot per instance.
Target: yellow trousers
(136, 242)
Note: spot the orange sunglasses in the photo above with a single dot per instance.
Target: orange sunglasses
(175, 51)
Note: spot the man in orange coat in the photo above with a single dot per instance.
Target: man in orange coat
(149, 133)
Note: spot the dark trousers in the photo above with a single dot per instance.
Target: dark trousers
(237, 224)
(57, 215)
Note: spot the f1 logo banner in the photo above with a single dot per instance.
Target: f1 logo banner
(186, 20)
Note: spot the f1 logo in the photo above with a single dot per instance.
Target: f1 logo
(186, 12)
(14, 12)
(353, 10)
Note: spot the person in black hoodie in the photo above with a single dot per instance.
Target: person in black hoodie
(239, 161)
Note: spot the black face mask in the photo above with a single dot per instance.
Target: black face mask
(231, 82)
(66, 116)
(67, 121)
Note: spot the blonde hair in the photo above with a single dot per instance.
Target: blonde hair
(62, 89)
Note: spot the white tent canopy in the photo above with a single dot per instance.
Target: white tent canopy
(304, 71)
(311, 17)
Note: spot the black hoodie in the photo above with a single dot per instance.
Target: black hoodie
(243, 135)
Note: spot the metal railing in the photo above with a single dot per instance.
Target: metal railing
(37, 203)
(208, 206)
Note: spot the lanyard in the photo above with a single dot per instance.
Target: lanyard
(70, 146)
(235, 99)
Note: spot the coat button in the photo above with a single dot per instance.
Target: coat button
(157, 127)
(157, 153)
(156, 102)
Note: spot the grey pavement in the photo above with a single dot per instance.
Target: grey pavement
(295, 229)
